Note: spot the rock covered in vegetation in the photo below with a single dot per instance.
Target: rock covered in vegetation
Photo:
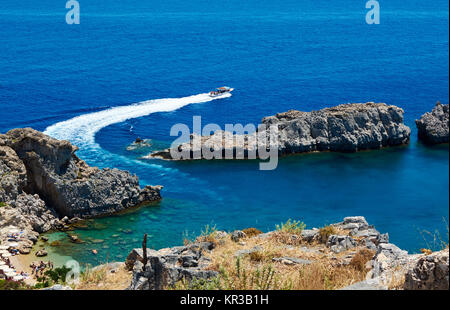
(430, 272)
(344, 128)
(433, 126)
(166, 267)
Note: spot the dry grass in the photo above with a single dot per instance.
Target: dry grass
(361, 258)
(103, 279)
(325, 232)
(257, 270)
(426, 251)
(251, 232)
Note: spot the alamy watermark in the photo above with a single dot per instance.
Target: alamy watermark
(236, 142)
(73, 15)
(373, 15)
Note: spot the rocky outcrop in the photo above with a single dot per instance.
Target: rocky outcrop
(344, 128)
(433, 126)
(66, 183)
(338, 244)
(168, 266)
(429, 273)
(42, 180)
(387, 265)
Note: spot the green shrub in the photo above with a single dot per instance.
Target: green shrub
(291, 226)
(2, 204)
(53, 276)
(6, 285)
(58, 275)
(240, 279)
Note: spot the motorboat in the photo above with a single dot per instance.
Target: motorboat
(221, 91)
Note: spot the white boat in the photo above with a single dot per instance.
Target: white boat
(221, 91)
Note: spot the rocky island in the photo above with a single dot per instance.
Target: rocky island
(343, 128)
(433, 126)
(44, 186)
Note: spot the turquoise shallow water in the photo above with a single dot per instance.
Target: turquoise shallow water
(297, 55)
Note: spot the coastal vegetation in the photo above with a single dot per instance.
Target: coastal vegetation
(53, 276)
(347, 255)
(291, 226)
(263, 269)
(104, 277)
(325, 232)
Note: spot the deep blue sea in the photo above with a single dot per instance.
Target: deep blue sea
(105, 82)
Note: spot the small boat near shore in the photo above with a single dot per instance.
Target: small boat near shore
(220, 91)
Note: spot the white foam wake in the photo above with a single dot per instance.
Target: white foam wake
(81, 130)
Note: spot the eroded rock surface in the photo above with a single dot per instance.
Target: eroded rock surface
(67, 184)
(429, 273)
(42, 180)
(168, 266)
(344, 128)
(433, 126)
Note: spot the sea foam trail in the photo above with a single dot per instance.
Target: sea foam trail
(81, 130)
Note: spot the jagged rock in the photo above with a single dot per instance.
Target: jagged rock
(352, 222)
(168, 266)
(237, 235)
(429, 273)
(370, 237)
(344, 128)
(339, 244)
(434, 127)
(309, 235)
(387, 255)
(13, 175)
(68, 184)
(390, 264)
(291, 261)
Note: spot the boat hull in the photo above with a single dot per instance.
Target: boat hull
(221, 94)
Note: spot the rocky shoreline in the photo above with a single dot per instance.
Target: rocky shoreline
(45, 186)
(344, 128)
(387, 266)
